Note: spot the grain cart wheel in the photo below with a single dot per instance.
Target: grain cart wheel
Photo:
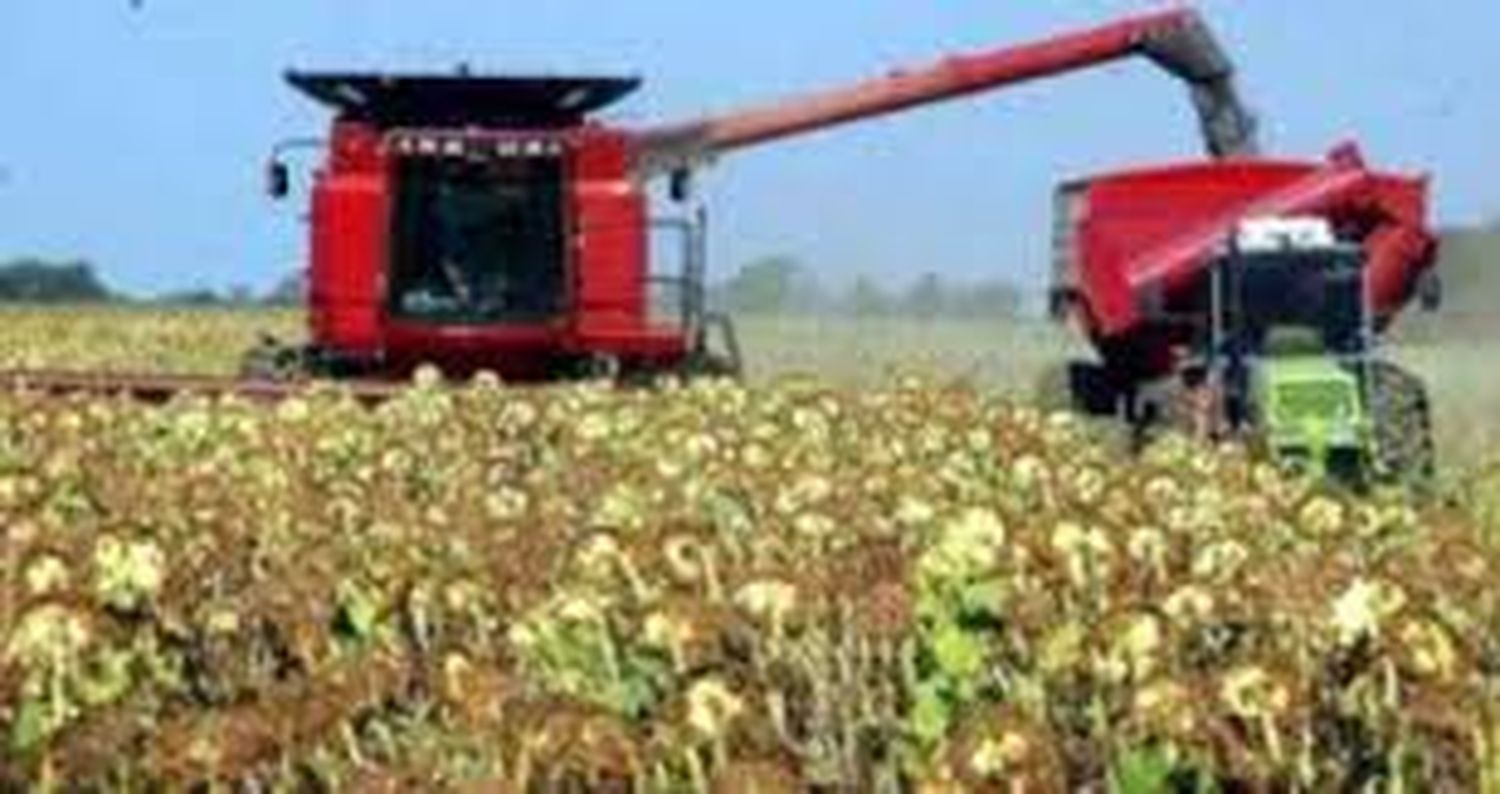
(1402, 417)
(1079, 386)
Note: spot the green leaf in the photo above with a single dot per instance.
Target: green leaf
(930, 713)
(32, 726)
(959, 654)
(358, 614)
(983, 600)
(1143, 771)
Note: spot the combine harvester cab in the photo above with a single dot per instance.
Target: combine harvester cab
(487, 223)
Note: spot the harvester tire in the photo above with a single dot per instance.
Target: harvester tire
(1402, 417)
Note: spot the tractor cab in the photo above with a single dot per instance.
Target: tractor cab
(1286, 284)
(487, 223)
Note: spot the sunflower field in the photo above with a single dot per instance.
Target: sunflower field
(715, 587)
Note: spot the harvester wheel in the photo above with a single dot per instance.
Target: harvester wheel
(710, 365)
(1402, 417)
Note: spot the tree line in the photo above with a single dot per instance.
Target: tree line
(1470, 265)
(774, 285)
(783, 285)
(43, 281)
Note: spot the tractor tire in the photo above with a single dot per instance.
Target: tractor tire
(1402, 416)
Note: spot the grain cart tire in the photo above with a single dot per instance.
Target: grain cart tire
(1402, 418)
(1077, 386)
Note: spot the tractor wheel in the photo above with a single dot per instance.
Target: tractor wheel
(1402, 416)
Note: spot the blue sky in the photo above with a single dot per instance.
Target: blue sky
(135, 139)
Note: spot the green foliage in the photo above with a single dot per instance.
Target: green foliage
(1153, 770)
(926, 298)
(865, 298)
(41, 281)
(782, 285)
(764, 286)
(886, 587)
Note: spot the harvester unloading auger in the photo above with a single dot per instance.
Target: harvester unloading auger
(494, 223)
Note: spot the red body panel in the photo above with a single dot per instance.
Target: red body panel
(1139, 238)
(611, 252)
(350, 218)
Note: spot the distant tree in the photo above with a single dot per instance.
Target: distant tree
(808, 295)
(926, 298)
(764, 286)
(240, 295)
(39, 281)
(865, 298)
(291, 290)
(193, 297)
(988, 299)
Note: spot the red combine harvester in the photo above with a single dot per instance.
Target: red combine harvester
(497, 224)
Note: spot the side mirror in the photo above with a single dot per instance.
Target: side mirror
(680, 185)
(1430, 291)
(278, 180)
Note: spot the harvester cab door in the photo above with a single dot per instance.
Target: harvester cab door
(478, 241)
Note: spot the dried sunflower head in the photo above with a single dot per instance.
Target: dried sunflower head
(712, 707)
(1363, 608)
